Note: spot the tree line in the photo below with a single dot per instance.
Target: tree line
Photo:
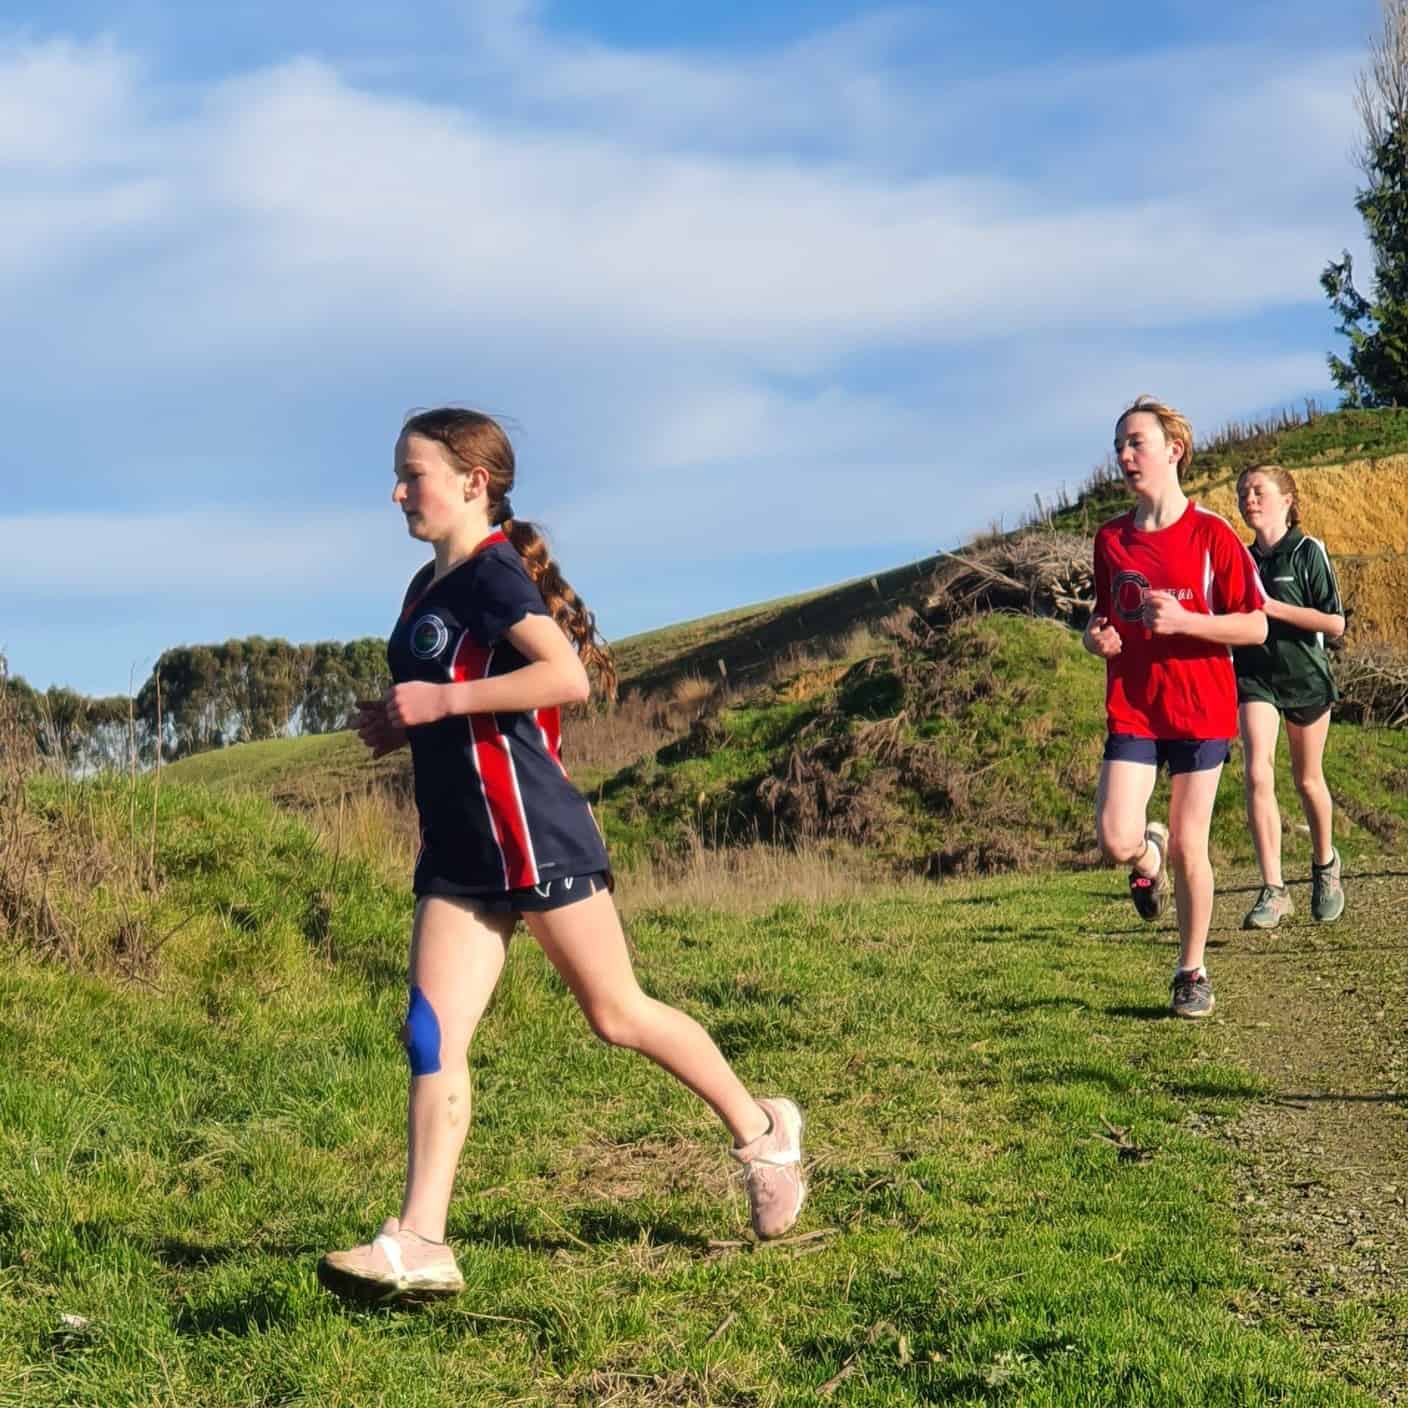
(199, 697)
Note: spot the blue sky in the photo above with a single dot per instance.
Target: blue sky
(770, 296)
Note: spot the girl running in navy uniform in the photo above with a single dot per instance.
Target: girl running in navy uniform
(1175, 590)
(490, 643)
(1288, 675)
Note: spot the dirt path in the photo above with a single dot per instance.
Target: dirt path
(1318, 1011)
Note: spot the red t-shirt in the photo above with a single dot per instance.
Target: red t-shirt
(1172, 686)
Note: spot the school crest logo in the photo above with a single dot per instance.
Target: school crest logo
(429, 637)
(1128, 591)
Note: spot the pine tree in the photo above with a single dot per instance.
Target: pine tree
(1375, 373)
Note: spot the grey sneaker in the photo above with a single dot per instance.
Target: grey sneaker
(776, 1187)
(1150, 893)
(1326, 891)
(397, 1265)
(1192, 995)
(1272, 905)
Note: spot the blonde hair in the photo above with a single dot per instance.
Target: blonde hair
(472, 440)
(1174, 424)
(1283, 480)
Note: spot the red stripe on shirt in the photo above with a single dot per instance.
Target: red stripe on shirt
(549, 723)
(498, 779)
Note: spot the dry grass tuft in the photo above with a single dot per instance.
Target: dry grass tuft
(28, 916)
(67, 892)
(378, 825)
(750, 880)
(680, 1388)
(654, 1167)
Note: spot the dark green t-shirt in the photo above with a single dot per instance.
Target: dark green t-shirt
(1291, 670)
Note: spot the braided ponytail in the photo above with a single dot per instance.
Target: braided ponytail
(473, 439)
(565, 606)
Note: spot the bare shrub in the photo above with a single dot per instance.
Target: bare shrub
(1373, 682)
(1043, 574)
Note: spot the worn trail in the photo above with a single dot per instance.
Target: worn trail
(1318, 1012)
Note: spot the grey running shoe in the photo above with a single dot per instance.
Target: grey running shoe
(1272, 905)
(1326, 891)
(776, 1187)
(397, 1265)
(1192, 995)
(1150, 893)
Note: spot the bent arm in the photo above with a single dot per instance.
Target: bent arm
(1307, 618)
(1234, 628)
(553, 675)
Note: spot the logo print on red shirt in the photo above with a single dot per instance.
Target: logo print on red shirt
(1128, 591)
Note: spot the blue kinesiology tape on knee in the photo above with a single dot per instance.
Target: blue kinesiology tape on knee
(421, 1035)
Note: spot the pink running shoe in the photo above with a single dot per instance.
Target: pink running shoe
(776, 1187)
(398, 1265)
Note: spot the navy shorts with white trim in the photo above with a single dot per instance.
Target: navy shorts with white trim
(1177, 754)
(531, 899)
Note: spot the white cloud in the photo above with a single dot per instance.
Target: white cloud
(63, 104)
(199, 555)
(295, 203)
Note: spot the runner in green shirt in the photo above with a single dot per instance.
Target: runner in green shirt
(1289, 675)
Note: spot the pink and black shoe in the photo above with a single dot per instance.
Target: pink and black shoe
(1150, 892)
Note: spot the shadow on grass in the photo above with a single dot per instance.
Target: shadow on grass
(1140, 1014)
(1019, 934)
(593, 1227)
(248, 1312)
(1066, 1076)
(1036, 1004)
(1329, 1097)
(1214, 1090)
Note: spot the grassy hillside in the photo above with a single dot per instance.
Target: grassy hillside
(750, 639)
(976, 748)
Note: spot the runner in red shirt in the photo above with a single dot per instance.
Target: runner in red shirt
(1175, 590)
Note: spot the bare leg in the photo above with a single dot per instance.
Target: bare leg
(1189, 819)
(1261, 726)
(456, 960)
(585, 944)
(1122, 813)
(1307, 758)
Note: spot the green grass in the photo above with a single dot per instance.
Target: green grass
(174, 1156)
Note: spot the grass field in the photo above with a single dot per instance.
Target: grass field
(1015, 1198)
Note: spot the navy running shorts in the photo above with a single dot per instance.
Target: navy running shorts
(1177, 754)
(557, 893)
